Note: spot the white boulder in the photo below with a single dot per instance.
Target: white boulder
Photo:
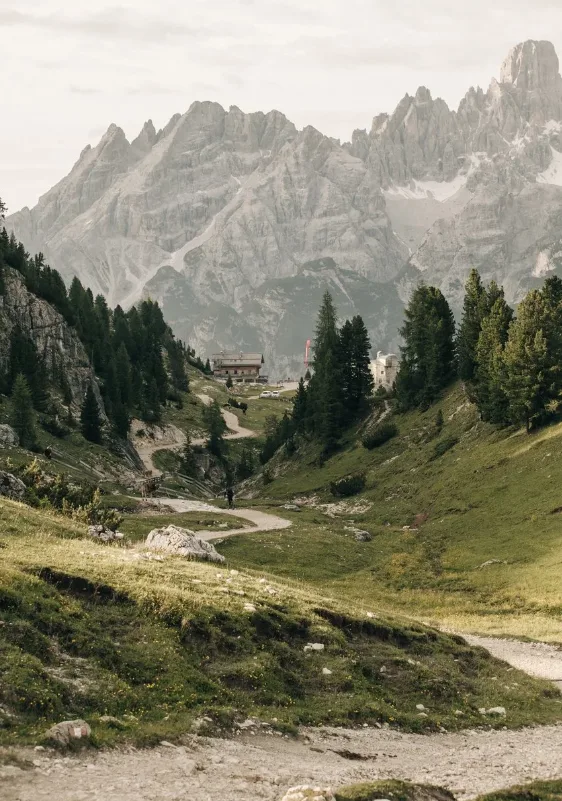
(68, 731)
(182, 542)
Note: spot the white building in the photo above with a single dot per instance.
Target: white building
(385, 369)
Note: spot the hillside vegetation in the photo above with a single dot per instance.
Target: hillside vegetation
(92, 630)
(467, 493)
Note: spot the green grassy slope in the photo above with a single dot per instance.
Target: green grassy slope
(493, 497)
(89, 630)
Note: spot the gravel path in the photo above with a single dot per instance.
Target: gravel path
(536, 658)
(260, 520)
(237, 431)
(263, 767)
(167, 437)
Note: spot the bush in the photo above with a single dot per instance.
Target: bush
(349, 485)
(379, 435)
(267, 476)
(442, 447)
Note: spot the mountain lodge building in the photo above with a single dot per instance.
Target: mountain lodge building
(243, 368)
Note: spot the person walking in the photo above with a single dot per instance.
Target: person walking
(230, 497)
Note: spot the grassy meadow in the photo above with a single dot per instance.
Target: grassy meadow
(471, 539)
(90, 630)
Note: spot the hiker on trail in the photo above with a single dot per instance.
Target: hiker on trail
(230, 497)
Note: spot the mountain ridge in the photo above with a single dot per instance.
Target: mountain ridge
(218, 203)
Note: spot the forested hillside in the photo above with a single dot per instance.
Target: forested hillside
(67, 359)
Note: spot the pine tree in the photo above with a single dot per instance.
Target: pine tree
(490, 395)
(325, 398)
(150, 410)
(124, 376)
(363, 383)
(527, 380)
(22, 418)
(428, 354)
(90, 421)
(216, 428)
(246, 464)
(229, 383)
(300, 405)
(474, 309)
(188, 464)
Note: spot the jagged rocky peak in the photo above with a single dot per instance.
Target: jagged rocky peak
(146, 139)
(531, 65)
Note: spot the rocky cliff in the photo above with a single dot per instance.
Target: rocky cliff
(219, 213)
(56, 342)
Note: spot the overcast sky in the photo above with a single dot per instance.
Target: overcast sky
(72, 67)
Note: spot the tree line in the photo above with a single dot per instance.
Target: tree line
(511, 363)
(135, 356)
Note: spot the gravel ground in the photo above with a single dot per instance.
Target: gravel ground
(264, 767)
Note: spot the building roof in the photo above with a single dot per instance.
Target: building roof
(237, 359)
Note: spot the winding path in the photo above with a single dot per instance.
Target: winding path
(260, 520)
(237, 431)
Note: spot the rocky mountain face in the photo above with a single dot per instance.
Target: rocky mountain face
(56, 342)
(221, 214)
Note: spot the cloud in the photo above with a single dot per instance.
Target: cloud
(110, 23)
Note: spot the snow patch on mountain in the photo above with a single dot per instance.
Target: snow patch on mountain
(441, 191)
(553, 174)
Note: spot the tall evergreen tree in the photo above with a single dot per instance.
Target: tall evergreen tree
(325, 398)
(428, 354)
(300, 405)
(216, 428)
(489, 390)
(90, 421)
(528, 368)
(474, 309)
(22, 418)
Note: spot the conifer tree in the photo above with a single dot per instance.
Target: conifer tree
(229, 383)
(489, 391)
(474, 309)
(22, 418)
(188, 464)
(325, 399)
(428, 354)
(300, 405)
(90, 421)
(528, 368)
(151, 411)
(216, 427)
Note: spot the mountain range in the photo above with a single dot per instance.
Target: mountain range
(236, 223)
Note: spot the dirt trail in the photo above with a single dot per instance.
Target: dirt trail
(232, 423)
(167, 437)
(536, 658)
(260, 520)
(248, 768)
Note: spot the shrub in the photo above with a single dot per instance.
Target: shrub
(442, 447)
(379, 435)
(267, 476)
(349, 485)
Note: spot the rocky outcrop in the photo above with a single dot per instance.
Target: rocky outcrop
(182, 542)
(56, 342)
(11, 487)
(8, 437)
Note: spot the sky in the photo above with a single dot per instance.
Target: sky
(70, 68)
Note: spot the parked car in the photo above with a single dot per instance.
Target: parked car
(266, 394)
(275, 394)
